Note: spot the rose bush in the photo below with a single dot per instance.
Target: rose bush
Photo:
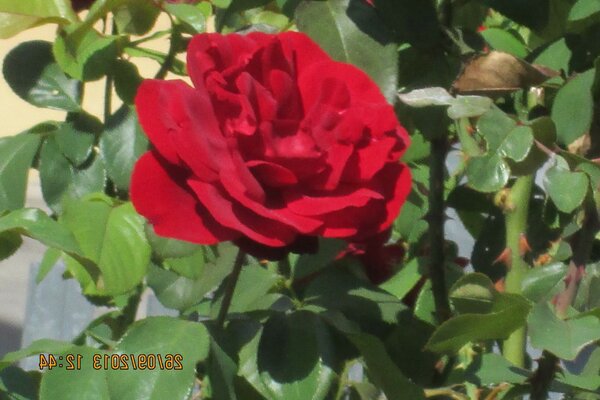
(275, 142)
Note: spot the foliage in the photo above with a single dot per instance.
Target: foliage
(512, 86)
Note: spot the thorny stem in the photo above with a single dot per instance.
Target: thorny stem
(445, 393)
(517, 211)
(437, 272)
(230, 287)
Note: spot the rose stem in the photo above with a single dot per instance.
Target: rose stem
(516, 211)
(170, 58)
(437, 273)
(230, 287)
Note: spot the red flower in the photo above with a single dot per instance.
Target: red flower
(379, 260)
(275, 142)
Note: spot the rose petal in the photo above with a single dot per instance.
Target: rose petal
(400, 174)
(239, 218)
(153, 103)
(271, 174)
(302, 49)
(216, 52)
(369, 160)
(156, 188)
(343, 197)
(337, 159)
(273, 212)
(360, 87)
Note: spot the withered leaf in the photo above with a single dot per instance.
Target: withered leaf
(498, 73)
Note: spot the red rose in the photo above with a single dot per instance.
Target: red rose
(379, 259)
(275, 142)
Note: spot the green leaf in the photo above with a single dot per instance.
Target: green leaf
(502, 40)
(572, 109)
(564, 338)
(190, 16)
(404, 280)
(178, 67)
(253, 285)
(431, 96)
(61, 181)
(34, 349)
(566, 189)
(121, 145)
(382, 370)
(329, 24)
(16, 156)
(517, 144)
(11, 24)
(494, 126)
(190, 266)
(295, 357)
(533, 14)
(127, 80)
(161, 336)
(9, 243)
(222, 371)
(487, 173)
(555, 56)
(56, 9)
(86, 58)
(84, 383)
(544, 131)
(358, 300)
(473, 293)
(17, 384)
(541, 283)
(412, 22)
(76, 137)
(30, 71)
(508, 313)
(493, 369)
(588, 294)
(168, 247)
(37, 225)
(307, 264)
(113, 238)
(136, 17)
(469, 106)
(176, 291)
(51, 257)
(583, 14)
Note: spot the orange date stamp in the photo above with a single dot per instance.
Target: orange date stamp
(137, 361)
(115, 361)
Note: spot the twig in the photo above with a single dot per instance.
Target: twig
(437, 268)
(230, 287)
(446, 392)
(517, 211)
(165, 66)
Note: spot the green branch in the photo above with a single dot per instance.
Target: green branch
(436, 217)
(230, 287)
(517, 210)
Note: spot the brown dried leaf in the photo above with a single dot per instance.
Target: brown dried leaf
(498, 73)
